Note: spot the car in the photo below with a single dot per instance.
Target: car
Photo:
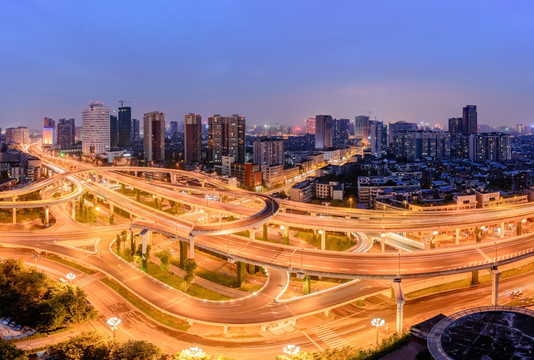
(6, 321)
(18, 327)
(12, 324)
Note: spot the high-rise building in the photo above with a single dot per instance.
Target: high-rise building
(413, 145)
(469, 120)
(154, 136)
(268, 152)
(66, 131)
(455, 127)
(95, 128)
(398, 127)
(19, 135)
(124, 127)
(323, 132)
(310, 125)
(379, 138)
(135, 129)
(49, 131)
(173, 128)
(113, 131)
(340, 131)
(490, 147)
(361, 127)
(226, 137)
(192, 137)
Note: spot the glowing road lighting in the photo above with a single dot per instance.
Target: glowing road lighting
(378, 322)
(194, 352)
(524, 221)
(483, 227)
(70, 276)
(97, 208)
(320, 231)
(382, 235)
(113, 324)
(291, 349)
(282, 227)
(435, 233)
(350, 202)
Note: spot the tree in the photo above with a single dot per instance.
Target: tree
(137, 350)
(87, 346)
(164, 266)
(8, 351)
(190, 266)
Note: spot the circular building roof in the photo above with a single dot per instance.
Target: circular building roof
(485, 333)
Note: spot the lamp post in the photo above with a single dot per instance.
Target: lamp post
(70, 276)
(113, 324)
(350, 202)
(194, 352)
(291, 350)
(378, 322)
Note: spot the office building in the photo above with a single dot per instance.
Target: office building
(340, 131)
(310, 125)
(49, 131)
(469, 120)
(66, 131)
(378, 138)
(399, 127)
(95, 128)
(268, 152)
(124, 127)
(323, 132)
(361, 127)
(173, 128)
(154, 136)
(19, 135)
(192, 136)
(113, 131)
(226, 137)
(135, 129)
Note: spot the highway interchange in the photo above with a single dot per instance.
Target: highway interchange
(250, 212)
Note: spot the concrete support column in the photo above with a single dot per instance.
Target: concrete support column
(252, 234)
(286, 235)
(191, 246)
(146, 236)
(495, 274)
(73, 208)
(14, 216)
(400, 300)
(382, 244)
(502, 229)
(457, 236)
(265, 232)
(323, 239)
(47, 216)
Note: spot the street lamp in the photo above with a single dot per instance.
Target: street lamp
(194, 352)
(350, 201)
(113, 324)
(70, 276)
(378, 322)
(291, 350)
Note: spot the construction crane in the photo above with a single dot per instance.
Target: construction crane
(123, 101)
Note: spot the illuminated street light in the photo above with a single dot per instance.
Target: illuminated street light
(524, 221)
(97, 208)
(291, 350)
(113, 324)
(350, 201)
(70, 276)
(378, 322)
(194, 352)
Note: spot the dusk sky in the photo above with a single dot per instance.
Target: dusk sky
(271, 61)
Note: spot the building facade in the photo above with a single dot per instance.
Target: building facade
(66, 130)
(323, 132)
(193, 137)
(95, 128)
(154, 136)
(124, 127)
(226, 137)
(268, 152)
(469, 120)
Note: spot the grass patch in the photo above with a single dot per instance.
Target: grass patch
(145, 308)
(125, 253)
(458, 284)
(222, 279)
(521, 302)
(70, 263)
(176, 282)
(333, 241)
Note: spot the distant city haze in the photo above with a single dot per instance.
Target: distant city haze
(274, 62)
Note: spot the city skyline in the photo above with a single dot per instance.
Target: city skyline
(272, 64)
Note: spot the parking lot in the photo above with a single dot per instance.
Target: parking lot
(11, 330)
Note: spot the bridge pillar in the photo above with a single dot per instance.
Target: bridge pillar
(286, 235)
(146, 236)
(495, 274)
(265, 232)
(225, 329)
(47, 216)
(191, 246)
(252, 234)
(174, 178)
(14, 216)
(323, 239)
(73, 208)
(400, 300)
(111, 218)
(457, 236)
(502, 229)
(382, 243)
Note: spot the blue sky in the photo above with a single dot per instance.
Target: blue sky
(272, 61)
